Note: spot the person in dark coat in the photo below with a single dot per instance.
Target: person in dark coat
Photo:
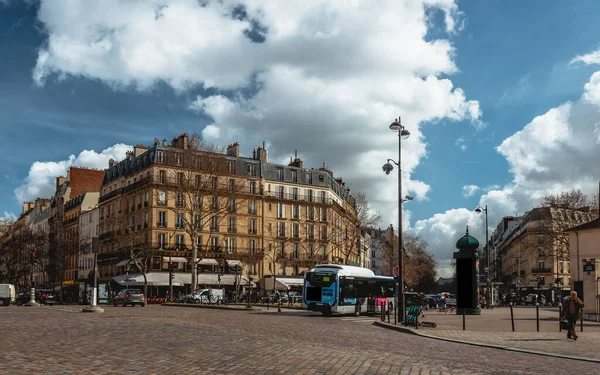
(572, 310)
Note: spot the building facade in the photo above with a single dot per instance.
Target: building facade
(380, 253)
(89, 227)
(241, 215)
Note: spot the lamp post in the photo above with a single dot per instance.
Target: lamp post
(93, 307)
(478, 210)
(397, 126)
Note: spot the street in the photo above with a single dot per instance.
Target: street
(174, 340)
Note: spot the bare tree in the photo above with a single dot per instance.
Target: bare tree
(365, 215)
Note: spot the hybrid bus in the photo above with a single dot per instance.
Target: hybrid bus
(337, 289)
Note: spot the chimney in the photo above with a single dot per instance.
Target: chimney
(233, 150)
(261, 154)
(139, 149)
(297, 162)
(164, 143)
(184, 141)
(59, 181)
(254, 154)
(111, 163)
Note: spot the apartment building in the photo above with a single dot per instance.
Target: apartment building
(534, 248)
(243, 215)
(379, 257)
(89, 227)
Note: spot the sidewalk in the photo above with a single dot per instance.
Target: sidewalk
(493, 329)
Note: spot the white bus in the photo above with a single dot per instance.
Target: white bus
(337, 289)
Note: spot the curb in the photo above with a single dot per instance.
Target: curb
(499, 347)
(215, 307)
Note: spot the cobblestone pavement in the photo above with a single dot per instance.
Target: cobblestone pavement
(175, 340)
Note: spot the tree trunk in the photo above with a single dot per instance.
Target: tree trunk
(145, 282)
(194, 264)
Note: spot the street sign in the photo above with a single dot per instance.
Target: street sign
(396, 271)
(589, 267)
(487, 270)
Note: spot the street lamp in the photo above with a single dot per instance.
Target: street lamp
(397, 126)
(478, 210)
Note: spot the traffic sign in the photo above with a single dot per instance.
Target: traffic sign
(396, 271)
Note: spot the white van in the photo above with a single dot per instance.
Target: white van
(7, 294)
(216, 296)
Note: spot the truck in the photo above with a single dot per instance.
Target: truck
(7, 294)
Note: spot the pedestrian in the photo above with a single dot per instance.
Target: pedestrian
(571, 312)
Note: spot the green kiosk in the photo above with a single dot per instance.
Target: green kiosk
(467, 276)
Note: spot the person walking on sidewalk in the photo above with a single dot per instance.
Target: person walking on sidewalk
(571, 312)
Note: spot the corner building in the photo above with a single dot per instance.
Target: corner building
(245, 217)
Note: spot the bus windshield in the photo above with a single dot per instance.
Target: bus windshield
(320, 280)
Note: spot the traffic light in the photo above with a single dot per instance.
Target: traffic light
(558, 281)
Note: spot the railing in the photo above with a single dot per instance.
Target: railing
(541, 270)
(298, 197)
(110, 195)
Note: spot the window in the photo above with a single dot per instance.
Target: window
(198, 181)
(310, 232)
(162, 198)
(310, 213)
(180, 178)
(280, 174)
(540, 251)
(280, 211)
(252, 268)
(280, 229)
(295, 212)
(198, 242)
(231, 185)
(214, 243)
(323, 233)
(281, 250)
(162, 218)
(230, 245)
(323, 195)
(252, 207)
(324, 251)
(295, 195)
(215, 183)
(309, 177)
(146, 219)
(197, 201)
(146, 198)
(232, 226)
(214, 224)
(230, 166)
(373, 254)
(295, 250)
(215, 203)
(270, 207)
(179, 221)
(541, 266)
(252, 187)
(251, 169)
(180, 201)
(162, 240)
(561, 267)
(178, 159)
(294, 175)
(322, 214)
(162, 176)
(198, 222)
(179, 241)
(252, 246)
(232, 205)
(540, 239)
(160, 156)
(252, 226)
(296, 230)
(309, 194)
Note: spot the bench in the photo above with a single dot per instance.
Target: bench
(412, 318)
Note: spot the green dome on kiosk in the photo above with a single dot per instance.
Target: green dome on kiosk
(467, 242)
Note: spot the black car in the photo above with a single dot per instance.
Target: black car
(416, 299)
(43, 296)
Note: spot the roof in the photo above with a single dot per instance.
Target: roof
(594, 224)
(345, 270)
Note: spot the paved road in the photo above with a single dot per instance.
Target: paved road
(172, 340)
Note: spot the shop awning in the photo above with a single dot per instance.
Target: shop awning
(234, 263)
(125, 262)
(208, 262)
(283, 283)
(175, 259)
(154, 279)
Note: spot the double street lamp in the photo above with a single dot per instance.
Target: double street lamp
(479, 210)
(397, 126)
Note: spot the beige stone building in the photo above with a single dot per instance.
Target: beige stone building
(585, 260)
(535, 248)
(243, 215)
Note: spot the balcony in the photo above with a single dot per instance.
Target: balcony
(297, 197)
(541, 270)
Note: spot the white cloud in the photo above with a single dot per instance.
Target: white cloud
(325, 82)
(461, 143)
(588, 59)
(592, 89)
(470, 190)
(9, 216)
(41, 179)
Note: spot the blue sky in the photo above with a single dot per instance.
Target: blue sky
(292, 89)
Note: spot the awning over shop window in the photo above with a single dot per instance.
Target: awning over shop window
(208, 262)
(154, 279)
(175, 259)
(128, 261)
(283, 283)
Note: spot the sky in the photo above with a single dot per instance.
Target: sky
(501, 98)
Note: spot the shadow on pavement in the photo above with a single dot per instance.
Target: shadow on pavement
(535, 340)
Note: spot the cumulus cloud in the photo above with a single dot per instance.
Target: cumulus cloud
(470, 190)
(41, 179)
(557, 151)
(461, 143)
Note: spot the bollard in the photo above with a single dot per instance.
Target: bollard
(560, 317)
(388, 310)
(512, 317)
(279, 306)
(537, 316)
(581, 324)
(395, 314)
(464, 319)
(382, 314)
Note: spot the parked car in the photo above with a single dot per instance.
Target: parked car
(450, 300)
(433, 300)
(531, 299)
(7, 294)
(416, 299)
(208, 296)
(130, 297)
(45, 296)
